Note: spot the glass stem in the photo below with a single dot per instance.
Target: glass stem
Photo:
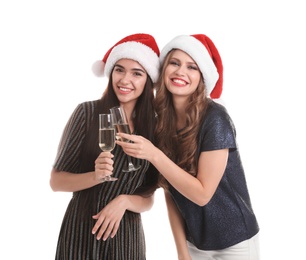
(130, 164)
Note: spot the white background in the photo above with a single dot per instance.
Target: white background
(46, 52)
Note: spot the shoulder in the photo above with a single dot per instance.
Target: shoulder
(86, 108)
(88, 105)
(217, 114)
(84, 113)
(216, 110)
(217, 130)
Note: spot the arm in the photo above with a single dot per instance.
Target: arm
(108, 219)
(67, 181)
(177, 227)
(198, 189)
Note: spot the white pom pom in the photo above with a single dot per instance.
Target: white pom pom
(98, 68)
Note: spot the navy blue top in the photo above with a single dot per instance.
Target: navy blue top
(228, 218)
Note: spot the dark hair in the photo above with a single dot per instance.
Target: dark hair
(144, 124)
(144, 120)
(144, 116)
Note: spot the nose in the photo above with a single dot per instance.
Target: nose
(125, 79)
(180, 70)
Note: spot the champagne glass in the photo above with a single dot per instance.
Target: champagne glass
(122, 126)
(107, 136)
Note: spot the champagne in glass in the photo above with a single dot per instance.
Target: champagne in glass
(122, 126)
(106, 136)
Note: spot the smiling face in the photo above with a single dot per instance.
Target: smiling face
(182, 75)
(129, 79)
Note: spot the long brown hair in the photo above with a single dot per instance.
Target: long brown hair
(180, 146)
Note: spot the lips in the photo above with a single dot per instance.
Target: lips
(179, 82)
(124, 90)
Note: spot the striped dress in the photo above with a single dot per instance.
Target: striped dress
(76, 242)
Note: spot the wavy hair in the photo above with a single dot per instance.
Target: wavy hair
(180, 145)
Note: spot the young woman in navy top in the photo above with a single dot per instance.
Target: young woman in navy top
(206, 192)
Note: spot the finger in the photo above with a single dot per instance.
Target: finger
(96, 216)
(104, 167)
(108, 231)
(125, 144)
(106, 155)
(115, 229)
(127, 136)
(104, 230)
(104, 160)
(97, 225)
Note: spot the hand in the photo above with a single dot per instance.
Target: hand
(139, 147)
(104, 165)
(108, 219)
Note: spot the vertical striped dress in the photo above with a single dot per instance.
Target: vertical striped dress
(75, 241)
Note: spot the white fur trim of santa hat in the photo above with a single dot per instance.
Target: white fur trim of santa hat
(131, 49)
(198, 52)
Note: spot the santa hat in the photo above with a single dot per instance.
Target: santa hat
(203, 51)
(140, 47)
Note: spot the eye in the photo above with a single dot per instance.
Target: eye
(173, 62)
(118, 69)
(138, 74)
(193, 67)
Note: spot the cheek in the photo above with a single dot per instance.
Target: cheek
(114, 79)
(196, 77)
(167, 72)
(140, 85)
(166, 76)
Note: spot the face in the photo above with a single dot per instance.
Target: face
(129, 79)
(182, 75)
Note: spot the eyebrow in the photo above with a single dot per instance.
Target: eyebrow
(188, 62)
(133, 69)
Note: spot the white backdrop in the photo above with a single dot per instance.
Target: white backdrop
(47, 49)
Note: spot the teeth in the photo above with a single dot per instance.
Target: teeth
(124, 89)
(179, 81)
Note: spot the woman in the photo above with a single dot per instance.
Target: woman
(206, 192)
(102, 220)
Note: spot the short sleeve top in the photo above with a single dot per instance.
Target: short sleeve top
(228, 218)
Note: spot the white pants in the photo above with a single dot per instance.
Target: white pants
(245, 250)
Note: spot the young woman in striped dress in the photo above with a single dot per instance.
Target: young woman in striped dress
(103, 220)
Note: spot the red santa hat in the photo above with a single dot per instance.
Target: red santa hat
(140, 47)
(203, 51)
